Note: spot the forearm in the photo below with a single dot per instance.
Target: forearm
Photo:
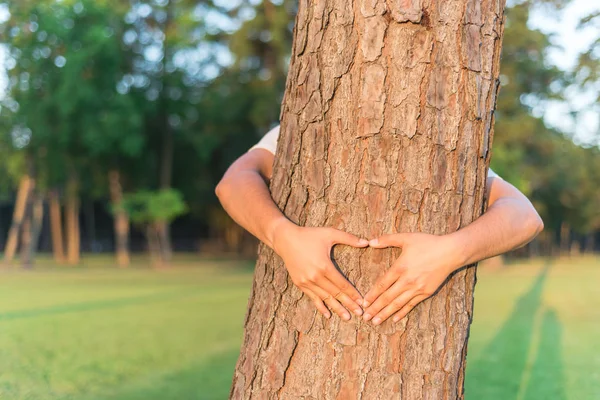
(246, 198)
(508, 224)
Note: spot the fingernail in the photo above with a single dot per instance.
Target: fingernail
(366, 303)
(374, 242)
(367, 317)
(347, 317)
(327, 316)
(396, 319)
(358, 312)
(377, 321)
(363, 242)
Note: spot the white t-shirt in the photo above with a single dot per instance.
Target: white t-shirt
(269, 143)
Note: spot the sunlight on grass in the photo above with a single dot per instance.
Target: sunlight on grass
(97, 333)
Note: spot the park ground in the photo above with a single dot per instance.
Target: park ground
(96, 332)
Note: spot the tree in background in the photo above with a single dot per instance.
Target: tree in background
(587, 73)
(63, 105)
(151, 211)
(167, 93)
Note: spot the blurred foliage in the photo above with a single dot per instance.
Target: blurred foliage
(162, 89)
(588, 68)
(146, 207)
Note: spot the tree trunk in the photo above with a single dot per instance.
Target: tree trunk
(25, 190)
(26, 233)
(121, 219)
(166, 166)
(72, 222)
(56, 227)
(387, 123)
(154, 245)
(32, 228)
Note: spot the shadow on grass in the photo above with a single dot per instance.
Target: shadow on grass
(97, 305)
(209, 379)
(498, 372)
(547, 377)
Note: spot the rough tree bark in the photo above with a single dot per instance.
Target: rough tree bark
(387, 123)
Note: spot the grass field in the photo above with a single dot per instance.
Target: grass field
(95, 333)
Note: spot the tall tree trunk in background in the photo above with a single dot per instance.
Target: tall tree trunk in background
(121, 219)
(269, 55)
(72, 221)
(26, 230)
(154, 245)
(166, 167)
(32, 227)
(56, 228)
(387, 123)
(25, 191)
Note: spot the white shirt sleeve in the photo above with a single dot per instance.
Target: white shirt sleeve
(492, 174)
(269, 143)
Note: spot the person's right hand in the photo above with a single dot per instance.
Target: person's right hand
(306, 253)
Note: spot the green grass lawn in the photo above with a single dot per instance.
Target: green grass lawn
(94, 333)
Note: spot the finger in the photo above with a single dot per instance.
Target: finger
(341, 237)
(397, 304)
(332, 303)
(393, 240)
(393, 292)
(381, 285)
(408, 307)
(338, 292)
(318, 303)
(339, 280)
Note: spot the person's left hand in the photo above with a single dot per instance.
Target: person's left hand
(424, 264)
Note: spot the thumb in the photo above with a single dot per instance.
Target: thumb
(341, 237)
(393, 240)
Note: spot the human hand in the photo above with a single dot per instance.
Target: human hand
(425, 263)
(306, 253)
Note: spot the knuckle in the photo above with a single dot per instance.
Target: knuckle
(397, 304)
(313, 276)
(303, 282)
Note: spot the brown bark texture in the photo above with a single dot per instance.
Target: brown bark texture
(25, 191)
(121, 219)
(387, 124)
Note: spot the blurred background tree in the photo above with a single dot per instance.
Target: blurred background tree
(109, 101)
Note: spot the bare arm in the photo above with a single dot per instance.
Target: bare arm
(244, 194)
(426, 260)
(509, 223)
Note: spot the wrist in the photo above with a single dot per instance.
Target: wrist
(460, 251)
(279, 228)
